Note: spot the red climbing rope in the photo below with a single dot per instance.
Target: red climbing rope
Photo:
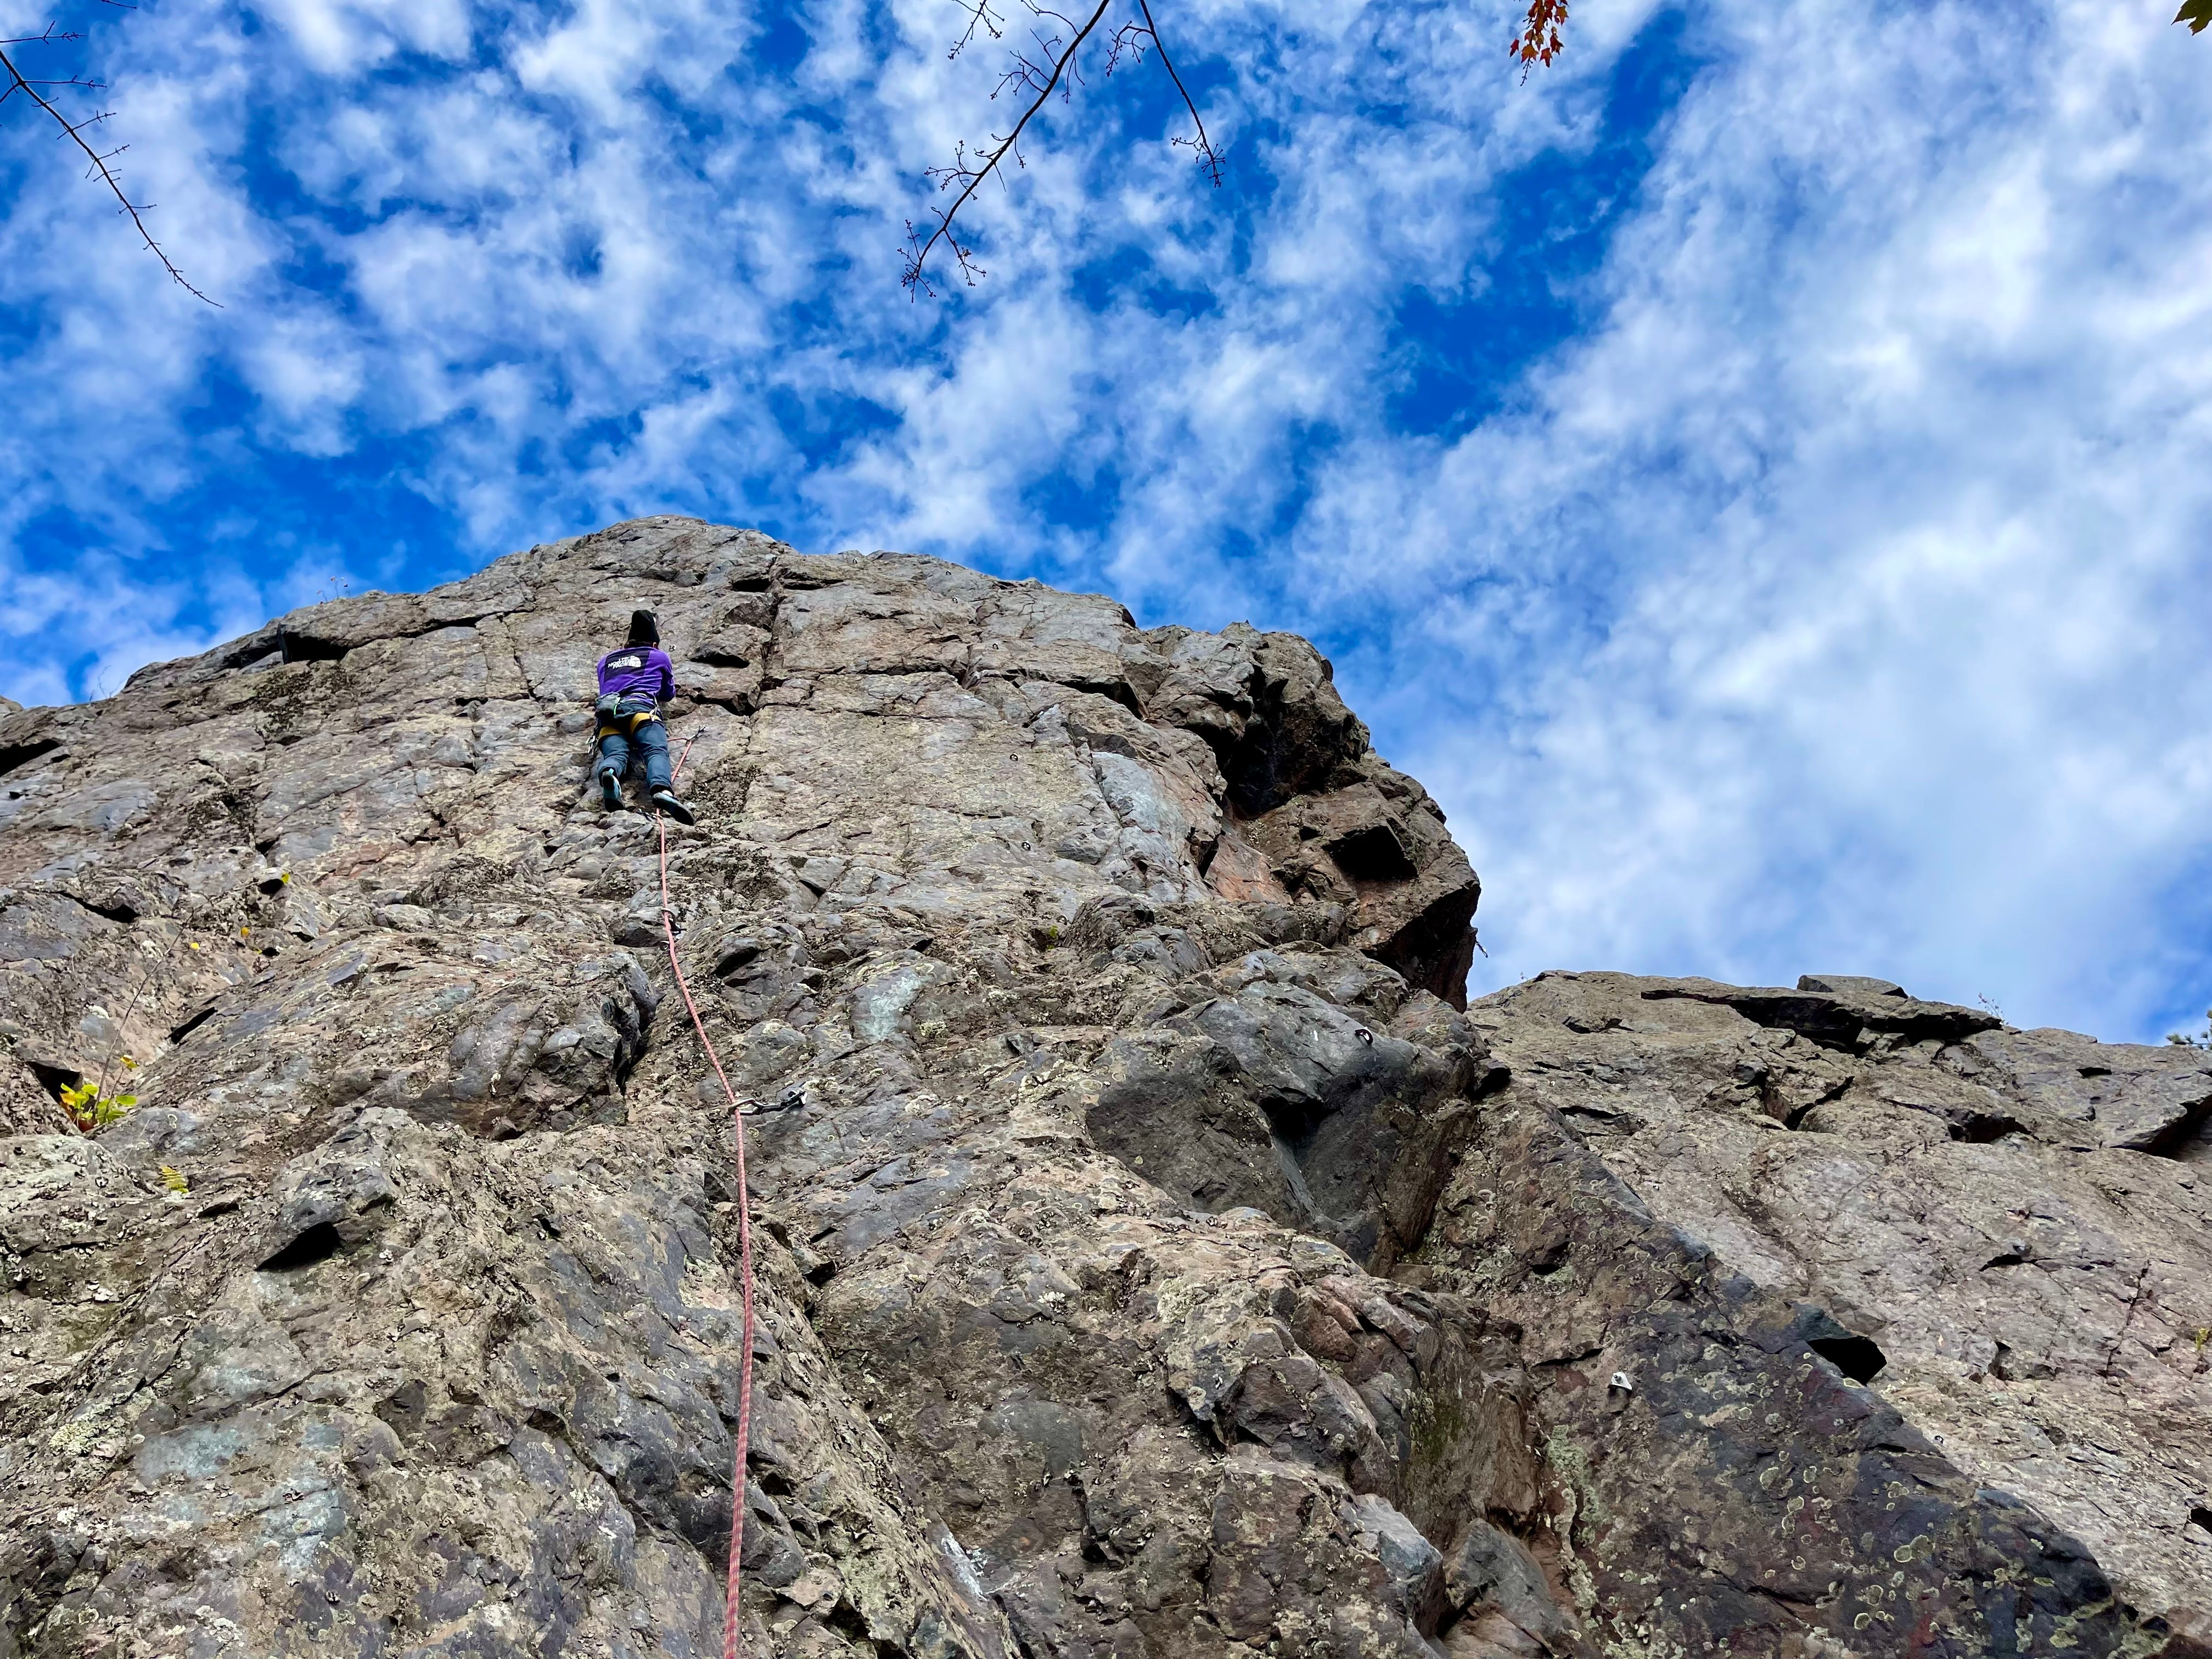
(744, 1241)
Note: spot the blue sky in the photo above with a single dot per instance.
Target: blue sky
(1754, 473)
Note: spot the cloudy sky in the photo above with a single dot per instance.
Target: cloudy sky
(1755, 472)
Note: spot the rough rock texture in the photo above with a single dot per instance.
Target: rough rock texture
(1155, 1259)
(2006, 1232)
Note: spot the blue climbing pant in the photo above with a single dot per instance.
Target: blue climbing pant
(648, 740)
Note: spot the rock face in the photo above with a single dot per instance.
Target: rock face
(1155, 1258)
(2004, 1233)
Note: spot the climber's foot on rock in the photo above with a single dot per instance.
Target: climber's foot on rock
(664, 801)
(610, 792)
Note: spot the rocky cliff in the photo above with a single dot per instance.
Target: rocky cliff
(1154, 1256)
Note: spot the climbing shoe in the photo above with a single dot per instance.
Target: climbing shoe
(664, 801)
(610, 791)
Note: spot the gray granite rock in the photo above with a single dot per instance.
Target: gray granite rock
(2005, 1232)
(1154, 1258)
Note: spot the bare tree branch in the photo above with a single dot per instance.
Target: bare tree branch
(970, 179)
(980, 16)
(1053, 69)
(98, 162)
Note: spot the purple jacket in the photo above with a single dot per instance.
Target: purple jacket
(637, 670)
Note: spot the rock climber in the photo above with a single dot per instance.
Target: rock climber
(633, 682)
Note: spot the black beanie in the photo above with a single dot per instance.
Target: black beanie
(643, 631)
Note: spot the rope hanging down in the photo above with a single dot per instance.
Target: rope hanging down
(744, 1241)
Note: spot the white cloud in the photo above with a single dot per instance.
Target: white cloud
(1829, 601)
(1899, 671)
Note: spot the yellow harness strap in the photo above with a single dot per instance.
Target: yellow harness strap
(626, 725)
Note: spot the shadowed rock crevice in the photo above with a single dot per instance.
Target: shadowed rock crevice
(1297, 738)
(302, 646)
(1859, 1358)
(317, 1243)
(1847, 1021)
(1435, 950)
(23, 753)
(2185, 1136)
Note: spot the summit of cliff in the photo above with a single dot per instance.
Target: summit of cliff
(1157, 1254)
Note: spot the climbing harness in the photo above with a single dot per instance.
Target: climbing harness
(744, 1241)
(623, 715)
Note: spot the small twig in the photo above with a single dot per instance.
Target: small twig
(1209, 158)
(51, 38)
(980, 16)
(98, 161)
